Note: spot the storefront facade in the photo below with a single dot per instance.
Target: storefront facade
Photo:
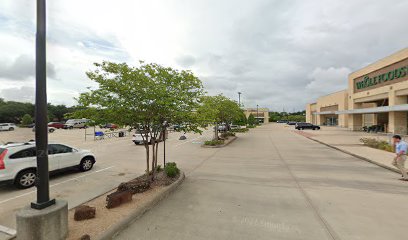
(323, 111)
(260, 114)
(376, 95)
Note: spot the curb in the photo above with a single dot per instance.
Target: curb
(357, 156)
(220, 146)
(114, 230)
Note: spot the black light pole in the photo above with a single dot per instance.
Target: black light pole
(239, 98)
(41, 131)
(257, 114)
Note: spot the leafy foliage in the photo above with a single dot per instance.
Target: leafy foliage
(143, 98)
(26, 120)
(295, 116)
(378, 144)
(251, 120)
(240, 130)
(13, 112)
(171, 169)
(214, 142)
(217, 110)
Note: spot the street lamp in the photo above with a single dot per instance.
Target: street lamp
(257, 114)
(239, 98)
(41, 119)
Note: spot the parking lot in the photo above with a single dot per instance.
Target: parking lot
(117, 160)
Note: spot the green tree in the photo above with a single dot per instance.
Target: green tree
(241, 120)
(142, 97)
(217, 110)
(251, 120)
(26, 120)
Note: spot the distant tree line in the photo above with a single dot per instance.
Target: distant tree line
(13, 112)
(295, 116)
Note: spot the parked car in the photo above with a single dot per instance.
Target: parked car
(373, 128)
(291, 123)
(76, 123)
(50, 129)
(18, 161)
(57, 125)
(7, 126)
(235, 127)
(137, 138)
(222, 128)
(109, 126)
(301, 126)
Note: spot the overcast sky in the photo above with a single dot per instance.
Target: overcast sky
(280, 54)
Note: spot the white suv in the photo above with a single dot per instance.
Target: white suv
(18, 161)
(7, 126)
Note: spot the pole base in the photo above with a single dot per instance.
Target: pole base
(46, 224)
(43, 205)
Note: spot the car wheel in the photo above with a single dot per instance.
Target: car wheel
(86, 164)
(51, 130)
(71, 127)
(25, 179)
(11, 129)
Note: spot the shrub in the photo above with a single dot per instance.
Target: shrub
(251, 126)
(239, 130)
(227, 134)
(26, 120)
(159, 168)
(171, 169)
(214, 142)
(378, 144)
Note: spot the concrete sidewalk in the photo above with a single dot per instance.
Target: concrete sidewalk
(349, 142)
(275, 184)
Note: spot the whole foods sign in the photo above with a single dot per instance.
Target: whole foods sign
(385, 76)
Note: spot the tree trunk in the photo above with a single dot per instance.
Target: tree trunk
(216, 131)
(153, 157)
(147, 158)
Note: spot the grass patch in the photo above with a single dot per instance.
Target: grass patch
(214, 142)
(239, 130)
(225, 135)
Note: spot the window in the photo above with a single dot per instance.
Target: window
(58, 149)
(29, 152)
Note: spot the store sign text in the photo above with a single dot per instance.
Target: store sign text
(382, 78)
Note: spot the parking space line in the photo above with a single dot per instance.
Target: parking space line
(56, 184)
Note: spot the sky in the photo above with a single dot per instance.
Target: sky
(280, 54)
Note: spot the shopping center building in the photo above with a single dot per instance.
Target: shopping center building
(260, 114)
(376, 95)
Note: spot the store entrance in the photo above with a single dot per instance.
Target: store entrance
(332, 121)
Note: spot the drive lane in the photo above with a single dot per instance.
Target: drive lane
(274, 184)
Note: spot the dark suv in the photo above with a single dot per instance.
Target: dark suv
(301, 126)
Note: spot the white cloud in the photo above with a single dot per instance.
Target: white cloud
(327, 80)
(279, 54)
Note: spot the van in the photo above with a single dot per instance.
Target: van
(76, 123)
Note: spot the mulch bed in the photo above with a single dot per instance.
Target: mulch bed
(104, 217)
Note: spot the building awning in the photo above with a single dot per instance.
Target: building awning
(396, 108)
(324, 113)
